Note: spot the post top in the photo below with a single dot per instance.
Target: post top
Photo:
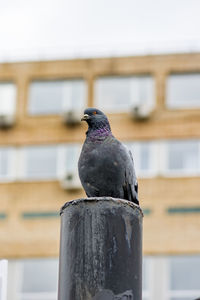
(91, 200)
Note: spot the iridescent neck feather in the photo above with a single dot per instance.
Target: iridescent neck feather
(99, 130)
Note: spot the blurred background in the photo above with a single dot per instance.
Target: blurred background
(138, 61)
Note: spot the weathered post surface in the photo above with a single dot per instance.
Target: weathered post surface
(100, 250)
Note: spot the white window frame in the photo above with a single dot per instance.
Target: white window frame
(61, 164)
(22, 165)
(135, 86)
(162, 158)
(159, 281)
(153, 171)
(13, 100)
(12, 162)
(146, 293)
(15, 277)
(164, 155)
(135, 147)
(38, 296)
(199, 156)
(66, 91)
(97, 99)
(3, 278)
(158, 160)
(62, 169)
(181, 106)
(159, 278)
(182, 294)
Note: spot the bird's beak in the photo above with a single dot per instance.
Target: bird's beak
(85, 117)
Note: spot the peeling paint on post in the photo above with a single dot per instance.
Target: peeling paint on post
(100, 250)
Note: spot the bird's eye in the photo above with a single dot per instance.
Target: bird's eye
(94, 112)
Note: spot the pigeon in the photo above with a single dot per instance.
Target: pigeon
(105, 165)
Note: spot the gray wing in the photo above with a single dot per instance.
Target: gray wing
(131, 185)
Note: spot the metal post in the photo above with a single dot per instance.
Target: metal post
(100, 250)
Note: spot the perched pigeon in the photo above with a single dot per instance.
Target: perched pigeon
(105, 165)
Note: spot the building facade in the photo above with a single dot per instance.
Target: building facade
(153, 104)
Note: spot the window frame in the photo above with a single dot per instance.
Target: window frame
(15, 280)
(115, 109)
(158, 282)
(181, 106)
(181, 293)
(135, 148)
(61, 162)
(62, 168)
(3, 278)
(12, 110)
(63, 100)
(164, 160)
(158, 161)
(22, 171)
(12, 165)
(38, 296)
(146, 293)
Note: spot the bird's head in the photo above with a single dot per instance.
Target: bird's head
(96, 119)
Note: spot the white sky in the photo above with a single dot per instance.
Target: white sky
(53, 29)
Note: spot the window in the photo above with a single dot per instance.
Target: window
(7, 98)
(182, 157)
(37, 279)
(3, 279)
(7, 163)
(38, 269)
(169, 158)
(48, 162)
(146, 277)
(39, 162)
(183, 90)
(164, 278)
(145, 158)
(171, 278)
(55, 97)
(184, 277)
(33, 279)
(68, 159)
(53, 162)
(118, 94)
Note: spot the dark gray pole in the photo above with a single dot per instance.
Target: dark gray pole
(100, 250)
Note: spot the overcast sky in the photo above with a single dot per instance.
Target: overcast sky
(53, 29)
